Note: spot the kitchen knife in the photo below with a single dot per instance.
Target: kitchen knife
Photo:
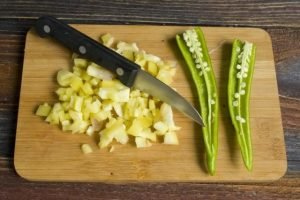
(128, 72)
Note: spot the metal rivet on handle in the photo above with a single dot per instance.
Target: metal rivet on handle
(47, 28)
(120, 71)
(82, 49)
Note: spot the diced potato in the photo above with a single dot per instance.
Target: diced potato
(95, 106)
(64, 77)
(145, 95)
(57, 107)
(114, 94)
(86, 148)
(151, 105)
(76, 83)
(64, 94)
(97, 126)
(111, 122)
(43, 110)
(79, 126)
(122, 136)
(78, 71)
(76, 116)
(53, 117)
(111, 149)
(142, 142)
(107, 105)
(152, 68)
(94, 81)
(164, 76)
(138, 125)
(66, 126)
(148, 134)
(140, 60)
(135, 93)
(100, 116)
(65, 122)
(156, 115)
(171, 138)
(80, 62)
(87, 88)
(128, 54)
(92, 99)
(78, 100)
(161, 127)
(152, 58)
(99, 72)
(112, 84)
(90, 131)
(117, 131)
(123, 46)
(87, 101)
(121, 95)
(86, 114)
(137, 113)
(107, 39)
(118, 109)
(85, 76)
(167, 114)
(62, 116)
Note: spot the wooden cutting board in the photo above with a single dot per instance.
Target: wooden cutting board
(44, 153)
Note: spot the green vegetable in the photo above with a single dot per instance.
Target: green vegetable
(194, 50)
(239, 86)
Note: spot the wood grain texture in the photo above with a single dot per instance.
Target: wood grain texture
(13, 27)
(39, 146)
(220, 13)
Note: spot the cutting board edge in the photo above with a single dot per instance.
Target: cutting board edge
(123, 181)
(22, 174)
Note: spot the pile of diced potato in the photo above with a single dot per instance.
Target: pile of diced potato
(92, 101)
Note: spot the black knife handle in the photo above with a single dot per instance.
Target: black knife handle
(88, 48)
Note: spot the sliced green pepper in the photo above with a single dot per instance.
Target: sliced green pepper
(194, 50)
(239, 86)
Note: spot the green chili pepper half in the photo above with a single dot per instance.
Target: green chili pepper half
(194, 50)
(239, 86)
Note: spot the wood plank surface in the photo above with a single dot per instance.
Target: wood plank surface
(16, 17)
(39, 146)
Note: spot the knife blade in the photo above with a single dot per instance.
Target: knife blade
(128, 72)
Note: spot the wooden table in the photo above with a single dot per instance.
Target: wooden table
(280, 18)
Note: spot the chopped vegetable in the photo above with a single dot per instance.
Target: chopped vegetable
(239, 86)
(193, 48)
(43, 110)
(142, 142)
(112, 148)
(92, 101)
(99, 72)
(107, 39)
(64, 77)
(171, 138)
(86, 148)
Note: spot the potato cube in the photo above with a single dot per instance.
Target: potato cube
(171, 138)
(87, 88)
(64, 77)
(76, 83)
(142, 142)
(80, 62)
(43, 110)
(86, 148)
(152, 68)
